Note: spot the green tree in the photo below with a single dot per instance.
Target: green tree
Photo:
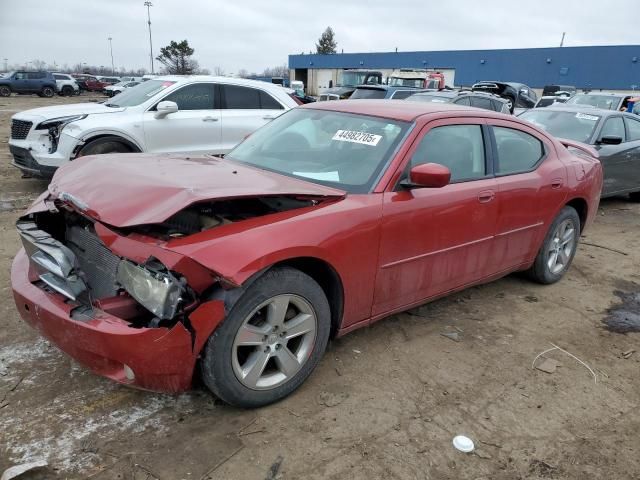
(176, 57)
(327, 43)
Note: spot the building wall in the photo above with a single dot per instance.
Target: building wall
(595, 67)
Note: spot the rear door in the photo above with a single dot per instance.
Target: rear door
(531, 186)
(434, 240)
(243, 110)
(633, 152)
(194, 128)
(616, 160)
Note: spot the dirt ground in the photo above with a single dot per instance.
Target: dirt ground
(385, 402)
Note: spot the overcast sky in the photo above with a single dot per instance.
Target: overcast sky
(255, 34)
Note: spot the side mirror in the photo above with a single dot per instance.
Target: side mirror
(610, 140)
(428, 175)
(165, 108)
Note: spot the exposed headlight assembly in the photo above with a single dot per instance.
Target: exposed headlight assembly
(55, 126)
(159, 292)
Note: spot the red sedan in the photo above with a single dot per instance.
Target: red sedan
(331, 217)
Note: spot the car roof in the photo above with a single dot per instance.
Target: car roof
(212, 78)
(400, 110)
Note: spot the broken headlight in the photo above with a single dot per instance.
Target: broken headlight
(55, 126)
(157, 291)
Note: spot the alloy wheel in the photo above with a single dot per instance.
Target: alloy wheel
(561, 247)
(274, 342)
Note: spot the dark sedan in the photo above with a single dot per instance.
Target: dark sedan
(614, 134)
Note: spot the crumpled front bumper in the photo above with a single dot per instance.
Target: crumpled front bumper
(159, 359)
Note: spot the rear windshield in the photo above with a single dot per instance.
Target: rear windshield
(361, 93)
(570, 125)
(136, 96)
(606, 102)
(407, 82)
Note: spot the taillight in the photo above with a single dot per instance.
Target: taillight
(296, 99)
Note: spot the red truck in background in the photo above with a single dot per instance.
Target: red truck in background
(417, 79)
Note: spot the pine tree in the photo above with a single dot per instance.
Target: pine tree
(327, 43)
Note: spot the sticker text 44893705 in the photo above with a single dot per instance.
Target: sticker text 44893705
(357, 137)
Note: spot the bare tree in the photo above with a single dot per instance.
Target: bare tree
(243, 73)
(218, 71)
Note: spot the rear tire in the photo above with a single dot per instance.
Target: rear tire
(104, 145)
(5, 91)
(270, 342)
(634, 196)
(558, 249)
(48, 92)
(511, 103)
(67, 91)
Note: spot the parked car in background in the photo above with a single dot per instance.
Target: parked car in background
(372, 92)
(194, 114)
(117, 88)
(95, 84)
(130, 79)
(517, 95)
(351, 79)
(559, 90)
(604, 100)
(547, 101)
(483, 100)
(416, 78)
(109, 80)
(615, 135)
(28, 82)
(140, 268)
(66, 85)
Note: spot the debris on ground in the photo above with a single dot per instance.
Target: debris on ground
(531, 299)
(463, 443)
(274, 469)
(549, 365)
(556, 347)
(624, 317)
(455, 336)
(17, 470)
(628, 354)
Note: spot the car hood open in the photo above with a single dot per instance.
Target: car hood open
(138, 189)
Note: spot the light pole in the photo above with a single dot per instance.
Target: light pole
(111, 50)
(148, 4)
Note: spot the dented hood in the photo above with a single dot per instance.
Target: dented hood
(136, 189)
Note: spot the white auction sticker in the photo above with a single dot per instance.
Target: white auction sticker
(357, 137)
(584, 116)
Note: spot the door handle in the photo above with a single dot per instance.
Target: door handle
(556, 183)
(486, 196)
(209, 119)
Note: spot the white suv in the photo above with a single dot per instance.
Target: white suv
(66, 85)
(194, 114)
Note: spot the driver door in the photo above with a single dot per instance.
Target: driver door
(434, 240)
(194, 128)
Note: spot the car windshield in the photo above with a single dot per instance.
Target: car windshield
(351, 79)
(406, 82)
(340, 150)
(429, 98)
(361, 93)
(139, 94)
(570, 125)
(607, 102)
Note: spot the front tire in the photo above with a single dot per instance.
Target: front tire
(511, 103)
(5, 91)
(558, 249)
(48, 92)
(102, 146)
(270, 342)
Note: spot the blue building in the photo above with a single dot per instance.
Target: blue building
(595, 67)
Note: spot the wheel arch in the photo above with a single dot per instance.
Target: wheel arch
(116, 136)
(581, 206)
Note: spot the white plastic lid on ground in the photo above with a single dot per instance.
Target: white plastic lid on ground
(462, 443)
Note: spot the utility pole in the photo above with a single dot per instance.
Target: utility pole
(148, 4)
(113, 72)
(562, 41)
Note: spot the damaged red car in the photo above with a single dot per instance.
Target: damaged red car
(153, 269)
